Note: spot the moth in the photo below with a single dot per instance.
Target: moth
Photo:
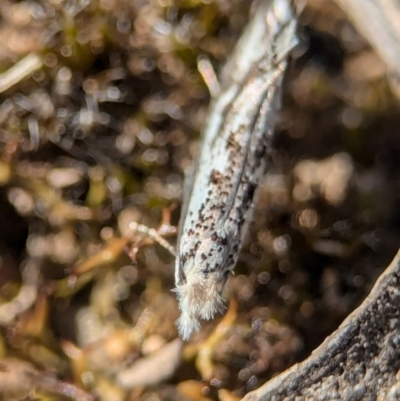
(234, 145)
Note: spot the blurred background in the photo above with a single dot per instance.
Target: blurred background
(101, 107)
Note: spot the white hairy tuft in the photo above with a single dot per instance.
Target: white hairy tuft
(198, 298)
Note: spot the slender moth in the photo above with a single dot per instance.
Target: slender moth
(235, 142)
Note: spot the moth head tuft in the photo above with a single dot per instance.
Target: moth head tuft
(187, 324)
(199, 298)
